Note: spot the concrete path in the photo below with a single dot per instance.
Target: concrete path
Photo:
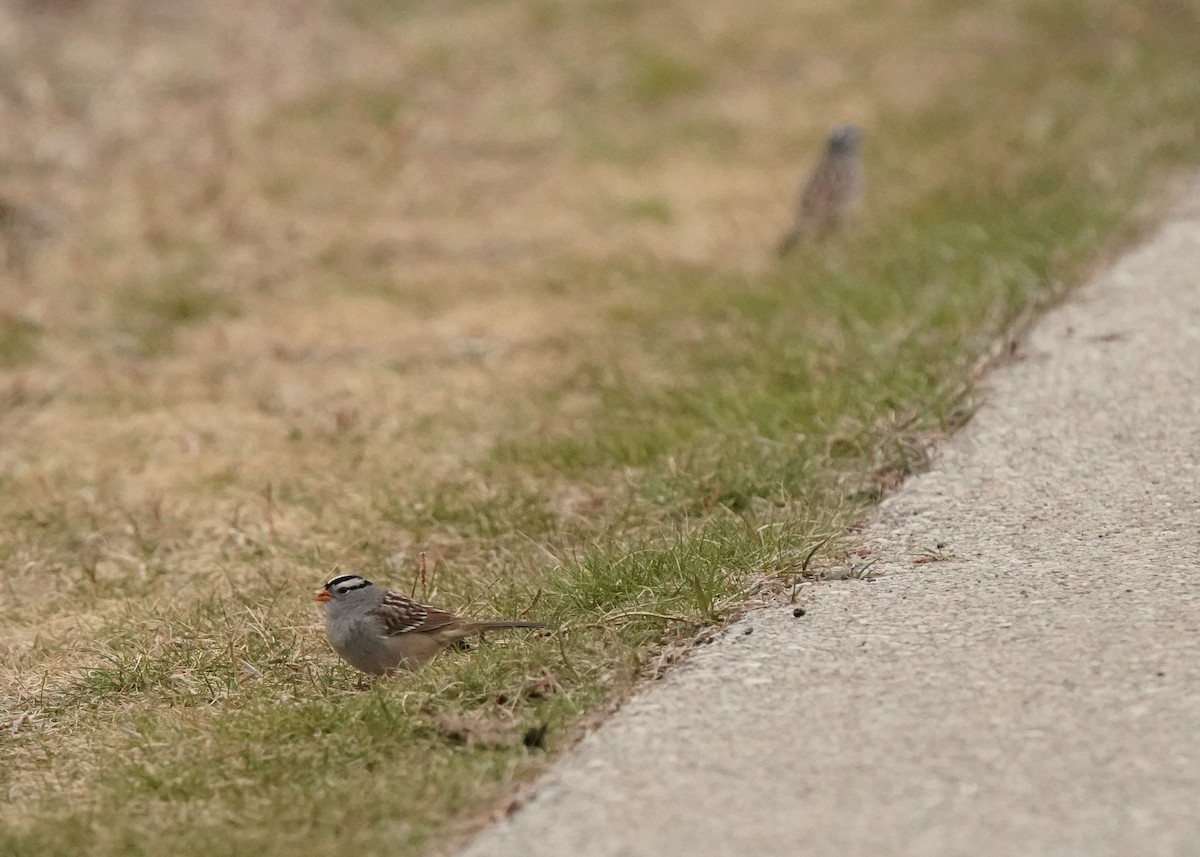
(1036, 694)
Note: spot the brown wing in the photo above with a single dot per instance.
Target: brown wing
(401, 615)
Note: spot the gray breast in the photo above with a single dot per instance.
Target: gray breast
(360, 640)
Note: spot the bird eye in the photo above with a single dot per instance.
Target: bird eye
(342, 590)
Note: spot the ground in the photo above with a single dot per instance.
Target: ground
(291, 288)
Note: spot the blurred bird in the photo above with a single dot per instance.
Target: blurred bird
(832, 191)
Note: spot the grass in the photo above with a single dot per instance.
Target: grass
(650, 209)
(494, 284)
(654, 78)
(18, 340)
(151, 314)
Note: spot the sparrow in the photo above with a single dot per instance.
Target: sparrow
(833, 190)
(381, 632)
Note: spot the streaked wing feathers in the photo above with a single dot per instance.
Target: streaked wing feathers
(401, 615)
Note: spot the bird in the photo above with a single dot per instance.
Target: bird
(382, 632)
(832, 190)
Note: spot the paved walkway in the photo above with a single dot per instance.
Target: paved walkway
(1037, 694)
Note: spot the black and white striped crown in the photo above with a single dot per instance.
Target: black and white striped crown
(344, 583)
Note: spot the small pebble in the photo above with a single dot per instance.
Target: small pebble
(535, 736)
(798, 612)
(748, 632)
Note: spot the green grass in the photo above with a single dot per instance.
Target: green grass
(651, 209)
(655, 78)
(18, 340)
(151, 314)
(664, 443)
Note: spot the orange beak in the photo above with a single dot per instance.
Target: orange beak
(322, 595)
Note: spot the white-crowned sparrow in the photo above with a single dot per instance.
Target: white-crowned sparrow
(380, 631)
(832, 191)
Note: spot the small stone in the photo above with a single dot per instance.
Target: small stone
(798, 612)
(535, 737)
(747, 632)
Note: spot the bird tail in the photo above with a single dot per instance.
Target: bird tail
(480, 627)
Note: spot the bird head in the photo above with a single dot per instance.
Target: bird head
(343, 587)
(844, 140)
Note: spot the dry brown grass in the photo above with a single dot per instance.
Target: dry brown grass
(386, 205)
(281, 278)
